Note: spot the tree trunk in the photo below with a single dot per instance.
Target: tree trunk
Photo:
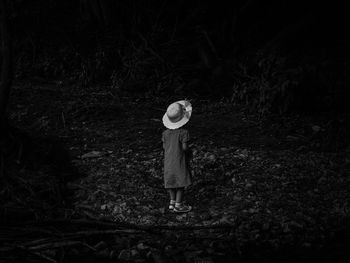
(5, 59)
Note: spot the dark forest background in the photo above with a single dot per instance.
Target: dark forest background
(83, 88)
(275, 56)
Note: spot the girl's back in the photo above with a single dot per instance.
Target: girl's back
(176, 172)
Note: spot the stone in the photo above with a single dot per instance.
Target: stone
(92, 154)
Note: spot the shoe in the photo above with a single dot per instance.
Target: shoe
(171, 207)
(182, 209)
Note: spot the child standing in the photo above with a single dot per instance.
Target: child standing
(175, 139)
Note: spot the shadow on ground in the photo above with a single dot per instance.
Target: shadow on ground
(35, 174)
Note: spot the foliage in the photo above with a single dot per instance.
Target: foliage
(172, 48)
(266, 85)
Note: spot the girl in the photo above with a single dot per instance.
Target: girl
(175, 139)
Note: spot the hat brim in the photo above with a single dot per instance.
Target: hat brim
(175, 125)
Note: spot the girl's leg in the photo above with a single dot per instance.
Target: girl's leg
(172, 193)
(179, 195)
(179, 206)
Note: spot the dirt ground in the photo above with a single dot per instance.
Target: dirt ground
(284, 196)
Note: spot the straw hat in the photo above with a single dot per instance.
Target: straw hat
(177, 114)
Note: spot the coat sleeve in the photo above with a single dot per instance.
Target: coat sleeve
(185, 136)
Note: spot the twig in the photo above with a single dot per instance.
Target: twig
(150, 228)
(37, 242)
(101, 232)
(48, 259)
(210, 43)
(57, 244)
(200, 227)
(37, 254)
(151, 49)
(63, 120)
(21, 231)
(66, 240)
